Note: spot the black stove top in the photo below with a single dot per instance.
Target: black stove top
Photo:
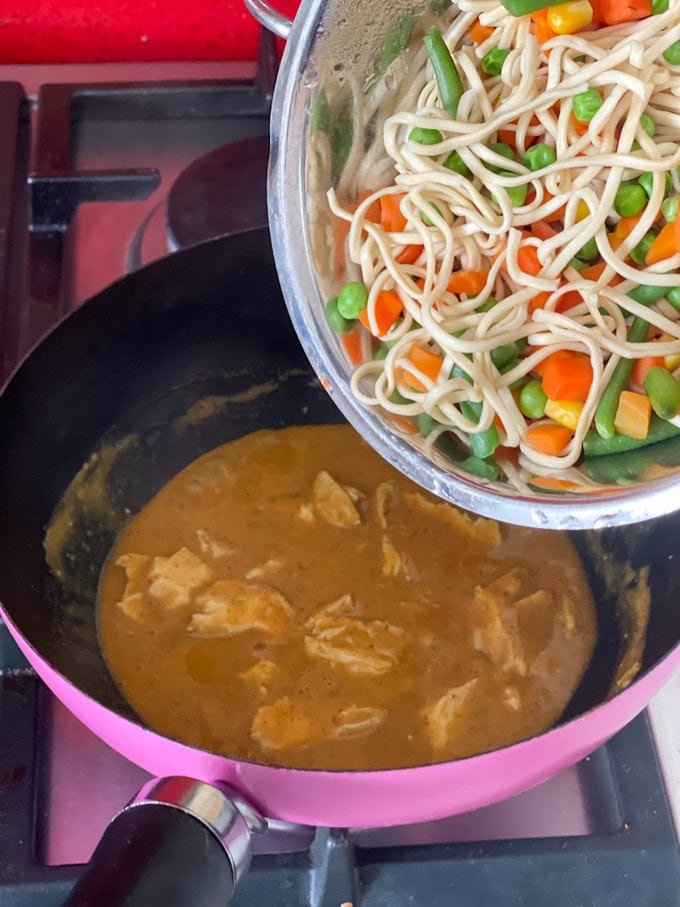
(121, 172)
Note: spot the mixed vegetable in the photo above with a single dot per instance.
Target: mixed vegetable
(639, 404)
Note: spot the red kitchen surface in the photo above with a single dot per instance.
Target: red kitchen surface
(66, 31)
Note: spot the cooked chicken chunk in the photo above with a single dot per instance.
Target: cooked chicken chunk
(357, 646)
(136, 567)
(512, 699)
(383, 498)
(482, 530)
(281, 725)
(333, 503)
(442, 717)
(394, 563)
(213, 547)
(498, 636)
(567, 617)
(262, 673)
(269, 566)
(173, 581)
(357, 721)
(305, 513)
(229, 607)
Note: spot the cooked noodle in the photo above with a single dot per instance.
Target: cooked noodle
(466, 230)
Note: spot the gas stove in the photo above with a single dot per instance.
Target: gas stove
(104, 168)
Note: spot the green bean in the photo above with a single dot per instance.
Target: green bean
(628, 465)
(673, 296)
(425, 136)
(589, 251)
(539, 156)
(485, 468)
(486, 305)
(639, 252)
(439, 7)
(341, 137)
(483, 443)
(339, 323)
(503, 150)
(669, 209)
(508, 367)
(577, 264)
(397, 39)
(648, 295)
(506, 353)
(492, 62)
(425, 423)
(648, 125)
(605, 414)
(532, 400)
(594, 445)
(352, 299)
(449, 446)
(426, 219)
(647, 183)
(397, 397)
(663, 392)
(320, 117)
(630, 199)
(672, 54)
(381, 352)
(456, 163)
(448, 79)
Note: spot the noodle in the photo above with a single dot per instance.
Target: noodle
(469, 223)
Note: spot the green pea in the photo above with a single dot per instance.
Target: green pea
(659, 6)
(586, 104)
(399, 398)
(381, 352)
(539, 156)
(639, 253)
(492, 62)
(577, 264)
(425, 136)
(339, 324)
(646, 180)
(673, 296)
(589, 251)
(532, 400)
(456, 163)
(352, 299)
(580, 59)
(630, 199)
(648, 125)
(486, 305)
(672, 54)
(516, 194)
(504, 151)
(669, 208)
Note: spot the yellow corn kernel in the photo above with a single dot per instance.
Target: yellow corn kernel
(565, 412)
(567, 18)
(582, 211)
(671, 361)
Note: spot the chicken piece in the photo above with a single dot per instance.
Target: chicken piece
(442, 718)
(358, 647)
(357, 721)
(333, 503)
(394, 563)
(498, 637)
(567, 617)
(482, 530)
(512, 699)
(269, 566)
(173, 581)
(261, 674)
(136, 567)
(229, 607)
(213, 547)
(281, 725)
(306, 513)
(383, 499)
(344, 606)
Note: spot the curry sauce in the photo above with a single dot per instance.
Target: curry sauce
(291, 598)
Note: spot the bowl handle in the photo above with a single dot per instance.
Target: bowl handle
(269, 17)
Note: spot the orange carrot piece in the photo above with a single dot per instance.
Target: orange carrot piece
(469, 282)
(373, 211)
(542, 30)
(552, 483)
(408, 255)
(507, 136)
(539, 300)
(615, 12)
(633, 414)
(542, 230)
(391, 218)
(388, 307)
(480, 33)
(580, 127)
(548, 438)
(677, 234)
(339, 232)
(427, 363)
(663, 246)
(527, 259)
(353, 347)
(568, 379)
(640, 369)
(553, 357)
(626, 225)
(568, 300)
(593, 272)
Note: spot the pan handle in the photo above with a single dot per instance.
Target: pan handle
(269, 17)
(180, 843)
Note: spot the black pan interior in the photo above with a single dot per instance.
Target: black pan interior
(206, 322)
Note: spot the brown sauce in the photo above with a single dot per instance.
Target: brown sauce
(291, 598)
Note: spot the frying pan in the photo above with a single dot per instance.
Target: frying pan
(124, 374)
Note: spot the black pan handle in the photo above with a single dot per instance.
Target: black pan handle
(180, 843)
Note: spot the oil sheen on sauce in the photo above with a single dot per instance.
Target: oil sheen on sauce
(290, 598)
